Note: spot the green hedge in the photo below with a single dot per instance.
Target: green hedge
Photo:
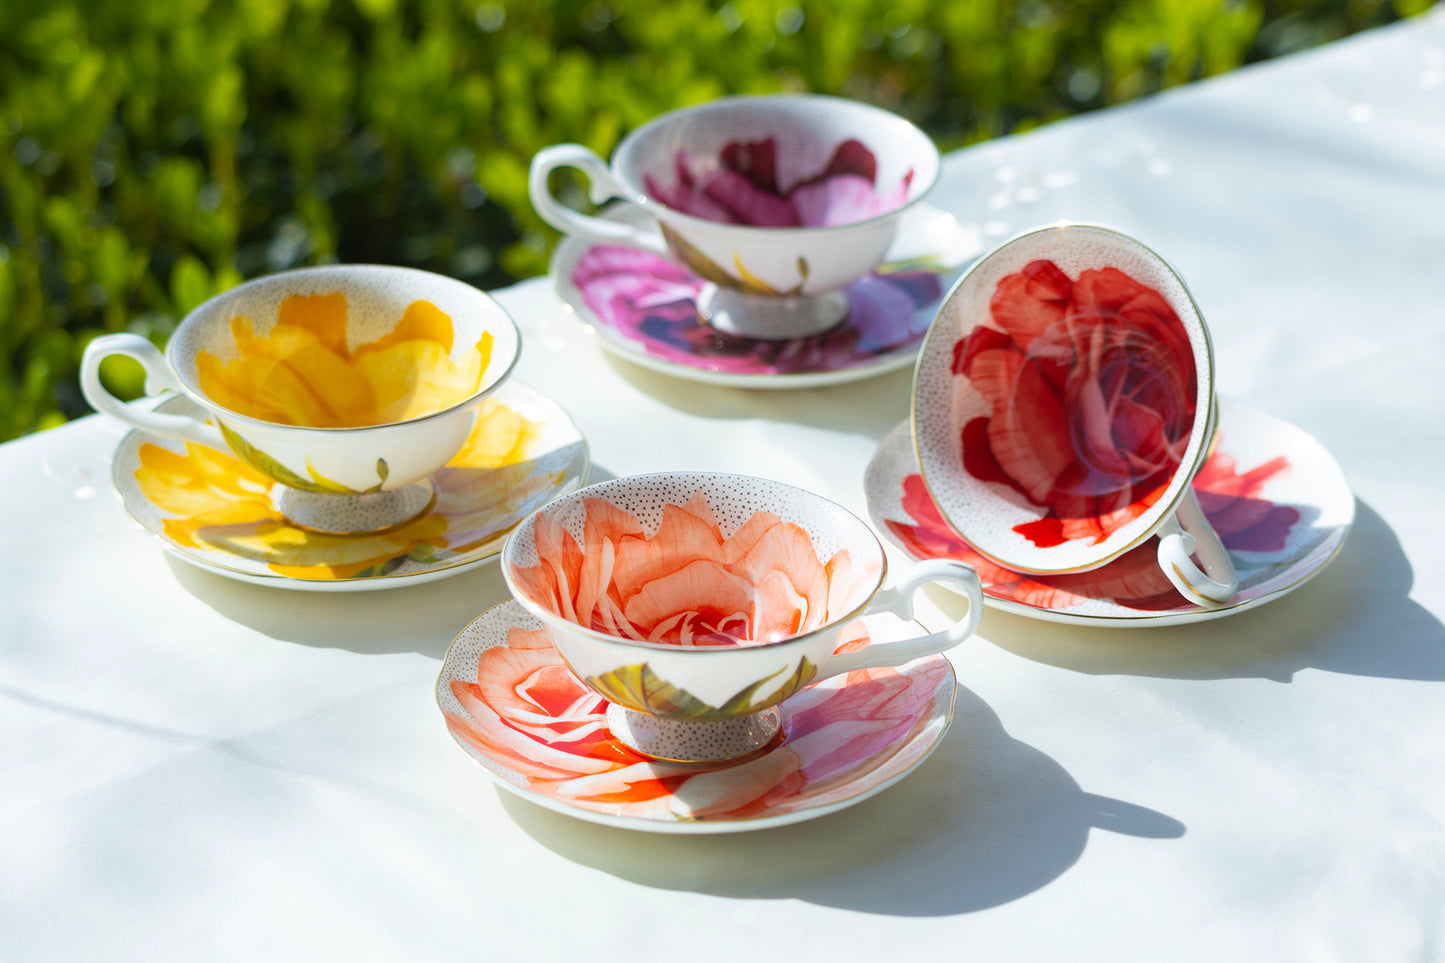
(154, 152)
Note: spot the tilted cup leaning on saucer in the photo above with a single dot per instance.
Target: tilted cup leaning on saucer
(1062, 404)
(346, 385)
(696, 603)
(778, 201)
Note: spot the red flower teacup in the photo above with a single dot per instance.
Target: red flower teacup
(696, 603)
(779, 202)
(1062, 403)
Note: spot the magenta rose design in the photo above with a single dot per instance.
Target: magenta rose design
(651, 302)
(743, 187)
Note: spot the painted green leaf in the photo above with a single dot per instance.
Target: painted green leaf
(743, 701)
(321, 483)
(638, 687)
(382, 568)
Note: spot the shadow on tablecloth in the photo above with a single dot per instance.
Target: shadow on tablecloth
(987, 819)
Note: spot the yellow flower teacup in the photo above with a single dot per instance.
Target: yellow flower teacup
(347, 380)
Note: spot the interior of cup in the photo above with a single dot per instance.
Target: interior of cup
(782, 161)
(694, 559)
(1062, 400)
(347, 346)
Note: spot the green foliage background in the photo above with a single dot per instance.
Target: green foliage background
(155, 152)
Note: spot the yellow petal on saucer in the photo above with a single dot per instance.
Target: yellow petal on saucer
(203, 487)
(414, 378)
(502, 437)
(422, 321)
(324, 315)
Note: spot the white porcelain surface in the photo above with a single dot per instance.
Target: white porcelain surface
(812, 127)
(1312, 484)
(556, 462)
(194, 768)
(351, 457)
(927, 235)
(693, 807)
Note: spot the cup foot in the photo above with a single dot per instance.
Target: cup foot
(671, 740)
(770, 318)
(353, 514)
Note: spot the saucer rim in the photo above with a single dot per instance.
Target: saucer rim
(1143, 619)
(572, 247)
(488, 552)
(683, 827)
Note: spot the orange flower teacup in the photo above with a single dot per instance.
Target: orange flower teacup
(696, 603)
(347, 385)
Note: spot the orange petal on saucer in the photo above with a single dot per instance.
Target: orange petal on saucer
(683, 537)
(704, 587)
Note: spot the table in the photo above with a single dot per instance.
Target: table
(192, 768)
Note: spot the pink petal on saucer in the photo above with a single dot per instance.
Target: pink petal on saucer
(748, 204)
(882, 314)
(844, 199)
(690, 201)
(756, 160)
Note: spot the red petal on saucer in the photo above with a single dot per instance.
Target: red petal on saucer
(1032, 301)
(1028, 433)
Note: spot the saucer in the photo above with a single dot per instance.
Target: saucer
(1277, 498)
(644, 308)
(213, 511)
(513, 706)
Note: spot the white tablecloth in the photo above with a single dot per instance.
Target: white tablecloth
(192, 768)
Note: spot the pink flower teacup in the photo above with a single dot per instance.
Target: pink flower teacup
(778, 202)
(1063, 402)
(696, 603)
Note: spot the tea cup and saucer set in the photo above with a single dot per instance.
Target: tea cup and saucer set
(1066, 440)
(702, 653)
(762, 242)
(693, 652)
(343, 428)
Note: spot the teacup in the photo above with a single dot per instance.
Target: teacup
(778, 201)
(696, 603)
(1062, 404)
(346, 385)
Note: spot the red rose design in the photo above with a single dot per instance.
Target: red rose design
(1091, 389)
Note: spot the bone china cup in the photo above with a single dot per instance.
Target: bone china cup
(696, 603)
(1062, 404)
(779, 201)
(340, 380)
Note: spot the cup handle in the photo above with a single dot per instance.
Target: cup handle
(898, 599)
(158, 378)
(1186, 533)
(601, 186)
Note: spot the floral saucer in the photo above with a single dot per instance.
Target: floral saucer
(1276, 497)
(210, 509)
(513, 706)
(643, 307)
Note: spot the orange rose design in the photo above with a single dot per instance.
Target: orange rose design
(687, 584)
